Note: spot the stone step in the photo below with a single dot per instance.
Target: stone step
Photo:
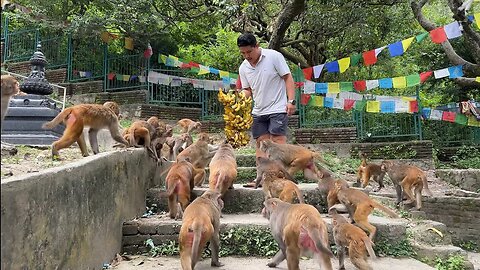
(162, 230)
(238, 200)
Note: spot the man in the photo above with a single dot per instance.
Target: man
(264, 75)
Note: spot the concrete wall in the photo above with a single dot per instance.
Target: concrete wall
(465, 179)
(71, 217)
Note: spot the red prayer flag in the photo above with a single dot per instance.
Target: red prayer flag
(448, 116)
(185, 65)
(304, 99)
(307, 73)
(413, 106)
(360, 85)
(111, 76)
(193, 64)
(369, 58)
(438, 35)
(425, 75)
(148, 52)
(348, 104)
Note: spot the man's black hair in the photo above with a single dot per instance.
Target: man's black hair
(246, 39)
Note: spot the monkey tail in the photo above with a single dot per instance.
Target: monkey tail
(58, 119)
(368, 246)
(425, 185)
(317, 233)
(299, 194)
(220, 180)
(197, 235)
(171, 188)
(385, 209)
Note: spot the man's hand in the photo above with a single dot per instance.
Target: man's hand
(290, 109)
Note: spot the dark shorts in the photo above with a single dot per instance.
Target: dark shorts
(275, 124)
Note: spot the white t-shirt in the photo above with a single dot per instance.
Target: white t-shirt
(265, 79)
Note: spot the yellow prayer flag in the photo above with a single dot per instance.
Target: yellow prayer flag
(406, 43)
(344, 64)
(106, 37)
(477, 79)
(126, 78)
(316, 101)
(399, 82)
(476, 16)
(202, 71)
(129, 43)
(408, 98)
(224, 74)
(333, 88)
(373, 106)
(472, 121)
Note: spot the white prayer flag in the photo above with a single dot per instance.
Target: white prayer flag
(309, 87)
(402, 106)
(379, 50)
(441, 73)
(453, 30)
(371, 84)
(436, 115)
(338, 103)
(317, 70)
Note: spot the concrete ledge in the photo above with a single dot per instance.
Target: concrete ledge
(71, 217)
(468, 179)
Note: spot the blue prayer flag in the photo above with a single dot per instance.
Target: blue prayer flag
(332, 66)
(455, 71)
(385, 83)
(387, 106)
(328, 102)
(395, 49)
(426, 113)
(321, 88)
(214, 70)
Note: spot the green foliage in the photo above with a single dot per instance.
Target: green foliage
(125, 123)
(402, 248)
(455, 262)
(327, 117)
(400, 151)
(470, 246)
(168, 249)
(245, 241)
(467, 157)
(341, 165)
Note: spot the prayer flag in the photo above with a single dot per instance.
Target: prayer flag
(455, 71)
(344, 64)
(203, 70)
(425, 75)
(307, 73)
(346, 86)
(332, 66)
(119, 77)
(413, 106)
(413, 80)
(387, 106)
(402, 106)
(129, 43)
(438, 35)
(369, 58)
(453, 30)
(321, 88)
(354, 59)
(441, 73)
(224, 74)
(360, 85)
(373, 106)
(371, 84)
(333, 88)
(348, 104)
(477, 18)
(298, 74)
(316, 101)
(170, 61)
(328, 102)
(426, 113)
(436, 115)
(421, 37)
(406, 43)
(317, 70)
(385, 83)
(162, 59)
(338, 103)
(448, 116)
(126, 78)
(461, 119)
(111, 76)
(477, 79)
(106, 37)
(214, 70)
(399, 82)
(304, 99)
(309, 87)
(148, 52)
(395, 49)
(472, 121)
(360, 105)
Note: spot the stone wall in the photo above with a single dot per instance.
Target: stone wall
(460, 214)
(465, 179)
(170, 113)
(71, 217)
(394, 150)
(325, 135)
(23, 68)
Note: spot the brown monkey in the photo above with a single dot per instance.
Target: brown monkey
(223, 169)
(359, 206)
(140, 133)
(326, 185)
(10, 87)
(187, 125)
(75, 118)
(265, 165)
(294, 157)
(113, 106)
(349, 236)
(367, 170)
(164, 131)
(297, 228)
(201, 223)
(179, 185)
(177, 144)
(198, 152)
(284, 189)
(405, 178)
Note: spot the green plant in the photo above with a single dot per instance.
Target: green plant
(247, 241)
(469, 246)
(169, 249)
(401, 248)
(124, 123)
(467, 157)
(400, 151)
(455, 262)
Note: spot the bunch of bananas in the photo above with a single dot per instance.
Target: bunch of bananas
(237, 116)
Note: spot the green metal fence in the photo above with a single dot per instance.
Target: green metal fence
(123, 72)
(447, 134)
(316, 117)
(55, 48)
(20, 45)
(86, 59)
(391, 127)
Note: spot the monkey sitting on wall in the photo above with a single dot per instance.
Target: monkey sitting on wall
(76, 118)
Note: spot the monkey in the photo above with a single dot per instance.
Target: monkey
(179, 185)
(223, 169)
(297, 228)
(264, 165)
(10, 87)
(284, 189)
(113, 106)
(367, 170)
(187, 125)
(349, 236)
(359, 205)
(75, 118)
(294, 158)
(177, 144)
(326, 186)
(405, 178)
(198, 152)
(164, 131)
(201, 223)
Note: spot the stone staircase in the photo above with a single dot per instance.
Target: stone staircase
(242, 213)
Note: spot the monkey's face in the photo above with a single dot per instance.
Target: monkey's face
(270, 205)
(385, 165)
(10, 85)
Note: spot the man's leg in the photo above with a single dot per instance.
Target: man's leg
(259, 133)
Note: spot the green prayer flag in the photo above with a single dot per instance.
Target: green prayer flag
(360, 105)
(354, 59)
(346, 86)
(461, 119)
(233, 75)
(298, 74)
(420, 37)
(413, 80)
(119, 77)
(162, 59)
(194, 70)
